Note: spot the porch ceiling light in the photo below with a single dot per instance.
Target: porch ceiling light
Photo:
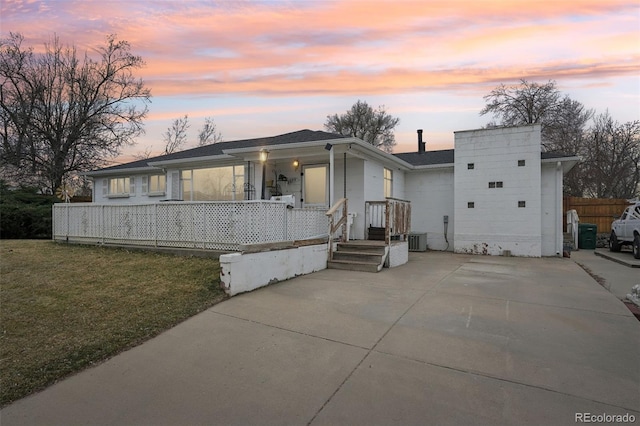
(264, 154)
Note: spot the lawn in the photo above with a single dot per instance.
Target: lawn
(66, 307)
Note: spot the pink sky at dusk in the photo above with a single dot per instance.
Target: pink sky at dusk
(262, 68)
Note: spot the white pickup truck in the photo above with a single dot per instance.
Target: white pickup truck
(626, 230)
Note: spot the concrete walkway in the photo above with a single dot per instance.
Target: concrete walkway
(444, 339)
(617, 276)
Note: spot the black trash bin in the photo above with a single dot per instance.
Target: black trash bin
(587, 236)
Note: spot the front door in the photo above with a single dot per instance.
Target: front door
(315, 186)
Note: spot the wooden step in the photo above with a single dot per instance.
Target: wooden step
(362, 247)
(358, 256)
(350, 265)
(376, 234)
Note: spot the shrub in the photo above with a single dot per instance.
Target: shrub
(24, 213)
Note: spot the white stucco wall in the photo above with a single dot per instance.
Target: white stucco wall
(496, 223)
(399, 183)
(431, 195)
(551, 215)
(373, 181)
(136, 198)
(245, 272)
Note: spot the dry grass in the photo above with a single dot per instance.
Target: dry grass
(66, 307)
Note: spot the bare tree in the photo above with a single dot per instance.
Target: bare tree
(563, 119)
(611, 159)
(362, 121)
(527, 103)
(62, 113)
(143, 155)
(209, 133)
(176, 135)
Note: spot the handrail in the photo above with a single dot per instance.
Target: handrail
(334, 225)
(335, 207)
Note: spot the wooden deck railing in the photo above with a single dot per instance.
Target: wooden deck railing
(391, 215)
(337, 218)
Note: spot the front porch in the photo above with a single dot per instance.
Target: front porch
(271, 241)
(210, 225)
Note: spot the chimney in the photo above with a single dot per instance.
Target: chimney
(421, 145)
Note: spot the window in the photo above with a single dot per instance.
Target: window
(388, 183)
(470, 166)
(471, 205)
(492, 184)
(521, 163)
(120, 187)
(316, 185)
(498, 184)
(213, 184)
(522, 204)
(154, 185)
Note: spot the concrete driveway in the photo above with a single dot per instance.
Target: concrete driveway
(444, 339)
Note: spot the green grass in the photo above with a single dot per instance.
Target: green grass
(66, 307)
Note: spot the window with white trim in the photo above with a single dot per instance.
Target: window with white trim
(119, 187)
(388, 182)
(213, 184)
(154, 185)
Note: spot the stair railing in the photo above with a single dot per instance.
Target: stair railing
(337, 218)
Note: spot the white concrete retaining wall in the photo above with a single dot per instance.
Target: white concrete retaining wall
(245, 272)
(399, 253)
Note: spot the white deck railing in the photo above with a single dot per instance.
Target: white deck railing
(391, 215)
(209, 225)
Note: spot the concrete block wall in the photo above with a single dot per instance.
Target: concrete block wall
(495, 222)
(431, 194)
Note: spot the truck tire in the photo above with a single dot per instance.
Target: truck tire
(636, 246)
(614, 245)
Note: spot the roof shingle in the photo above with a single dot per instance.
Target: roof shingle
(218, 148)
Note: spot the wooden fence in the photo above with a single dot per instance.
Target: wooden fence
(599, 211)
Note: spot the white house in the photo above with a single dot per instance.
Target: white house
(495, 193)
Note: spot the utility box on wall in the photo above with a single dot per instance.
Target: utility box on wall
(417, 242)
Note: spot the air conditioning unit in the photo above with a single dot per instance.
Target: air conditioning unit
(417, 242)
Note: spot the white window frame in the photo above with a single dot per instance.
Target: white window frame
(387, 177)
(147, 184)
(186, 175)
(124, 182)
